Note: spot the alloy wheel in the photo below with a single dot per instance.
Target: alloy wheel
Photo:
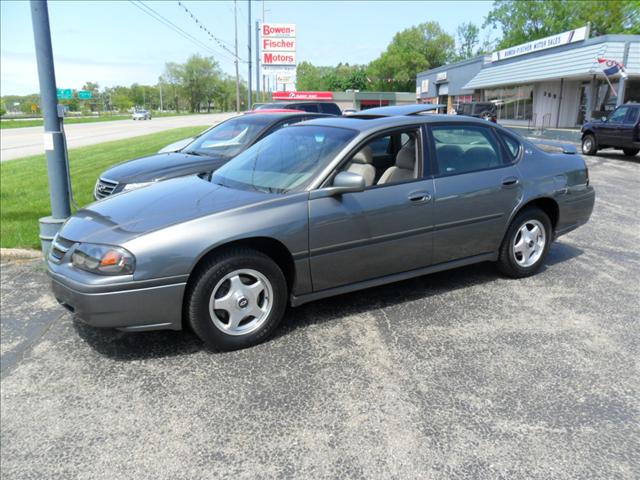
(528, 243)
(241, 302)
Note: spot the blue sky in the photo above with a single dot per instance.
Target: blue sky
(115, 43)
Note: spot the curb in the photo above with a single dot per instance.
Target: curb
(19, 254)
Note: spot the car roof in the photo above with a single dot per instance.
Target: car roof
(278, 115)
(372, 124)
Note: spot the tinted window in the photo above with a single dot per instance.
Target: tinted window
(513, 146)
(330, 108)
(633, 115)
(465, 148)
(618, 115)
(285, 161)
(307, 107)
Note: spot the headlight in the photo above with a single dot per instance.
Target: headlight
(133, 186)
(103, 259)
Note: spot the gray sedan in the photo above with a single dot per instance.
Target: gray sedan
(316, 209)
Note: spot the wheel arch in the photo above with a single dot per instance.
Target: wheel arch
(271, 247)
(546, 204)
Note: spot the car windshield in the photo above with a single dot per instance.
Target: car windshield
(229, 138)
(285, 161)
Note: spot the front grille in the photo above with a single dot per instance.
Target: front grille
(59, 248)
(104, 188)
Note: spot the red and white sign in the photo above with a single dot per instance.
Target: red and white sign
(274, 30)
(278, 44)
(278, 58)
(302, 95)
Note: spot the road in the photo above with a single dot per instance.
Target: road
(22, 142)
(461, 374)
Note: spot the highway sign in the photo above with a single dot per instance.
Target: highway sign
(65, 94)
(85, 94)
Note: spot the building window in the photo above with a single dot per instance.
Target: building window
(513, 103)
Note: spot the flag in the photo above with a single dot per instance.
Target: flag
(611, 67)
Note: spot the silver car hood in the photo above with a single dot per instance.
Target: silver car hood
(120, 218)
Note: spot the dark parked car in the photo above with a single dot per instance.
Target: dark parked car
(483, 110)
(620, 130)
(316, 107)
(317, 209)
(208, 151)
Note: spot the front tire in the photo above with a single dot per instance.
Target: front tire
(589, 144)
(236, 299)
(526, 244)
(630, 152)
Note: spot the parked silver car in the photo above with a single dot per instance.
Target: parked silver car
(316, 209)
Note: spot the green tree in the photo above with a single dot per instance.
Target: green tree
(197, 75)
(525, 20)
(411, 51)
(468, 37)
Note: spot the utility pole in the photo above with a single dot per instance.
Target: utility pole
(249, 93)
(235, 18)
(160, 85)
(258, 60)
(54, 143)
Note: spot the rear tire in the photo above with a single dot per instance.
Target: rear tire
(526, 244)
(236, 299)
(589, 144)
(630, 152)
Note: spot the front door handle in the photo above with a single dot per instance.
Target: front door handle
(510, 182)
(419, 197)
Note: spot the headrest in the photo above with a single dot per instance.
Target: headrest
(406, 158)
(365, 155)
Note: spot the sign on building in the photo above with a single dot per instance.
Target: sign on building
(563, 38)
(302, 95)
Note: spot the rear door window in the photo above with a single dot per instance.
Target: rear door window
(513, 146)
(465, 148)
(330, 108)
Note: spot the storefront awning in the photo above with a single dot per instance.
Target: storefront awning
(572, 63)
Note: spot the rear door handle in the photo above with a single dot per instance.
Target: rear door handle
(419, 197)
(510, 182)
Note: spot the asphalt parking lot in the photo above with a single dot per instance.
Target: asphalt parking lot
(461, 374)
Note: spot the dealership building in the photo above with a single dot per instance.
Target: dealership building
(556, 81)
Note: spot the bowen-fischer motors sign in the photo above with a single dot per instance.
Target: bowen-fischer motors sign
(278, 44)
(563, 38)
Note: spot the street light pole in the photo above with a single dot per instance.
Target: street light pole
(235, 19)
(258, 60)
(54, 144)
(249, 93)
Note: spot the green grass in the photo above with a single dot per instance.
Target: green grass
(24, 190)
(38, 122)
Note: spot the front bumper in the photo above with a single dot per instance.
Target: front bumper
(149, 308)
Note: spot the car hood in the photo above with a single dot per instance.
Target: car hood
(162, 166)
(123, 217)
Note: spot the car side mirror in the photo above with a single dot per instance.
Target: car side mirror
(344, 182)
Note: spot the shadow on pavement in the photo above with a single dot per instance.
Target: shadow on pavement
(136, 346)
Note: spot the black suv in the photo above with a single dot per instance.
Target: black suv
(313, 107)
(484, 110)
(620, 130)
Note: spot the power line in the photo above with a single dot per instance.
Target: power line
(157, 16)
(219, 41)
